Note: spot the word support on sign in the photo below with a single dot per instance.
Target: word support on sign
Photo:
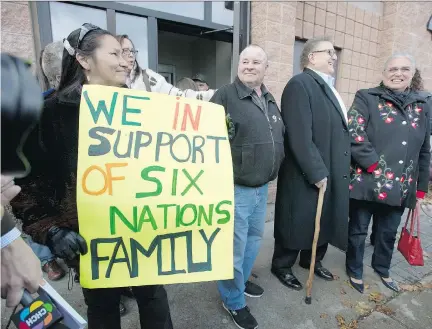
(155, 189)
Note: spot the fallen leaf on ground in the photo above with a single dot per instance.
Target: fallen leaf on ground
(363, 308)
(343, 325)
(367, 286)
(324, 316)
(375, 297)
(427, 285)
(353, 325)
(410, 287)
(340, 320)
(385, 310)
(347, 303)
(342, 291)
(336, 277)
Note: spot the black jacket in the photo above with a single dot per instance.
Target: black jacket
(397, 137)
(257, 141)
(317, 145)
(48, 193)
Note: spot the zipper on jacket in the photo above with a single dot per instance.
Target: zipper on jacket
(271, 133)
(273, 144)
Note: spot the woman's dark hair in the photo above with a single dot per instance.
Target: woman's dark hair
(72, 73)
(417, 81)
(137, 69)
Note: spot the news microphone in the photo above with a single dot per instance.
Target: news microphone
(37, 313)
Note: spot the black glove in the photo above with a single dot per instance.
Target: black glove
(65, 243)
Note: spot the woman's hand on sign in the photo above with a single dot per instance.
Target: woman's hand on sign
(65, 243)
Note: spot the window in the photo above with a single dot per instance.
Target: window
(136, 28)
(193, 9)
(67, 17)
(222, 14)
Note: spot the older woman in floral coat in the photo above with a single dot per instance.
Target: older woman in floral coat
(390, 152)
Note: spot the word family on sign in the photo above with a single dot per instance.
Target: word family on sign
(155, 189)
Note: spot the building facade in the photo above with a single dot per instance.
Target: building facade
(181, 39)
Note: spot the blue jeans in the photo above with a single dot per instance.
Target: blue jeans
(42, 252)
(250, 205)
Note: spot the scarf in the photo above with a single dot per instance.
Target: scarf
(399, 97)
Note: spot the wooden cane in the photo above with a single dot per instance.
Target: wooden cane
(308, 298)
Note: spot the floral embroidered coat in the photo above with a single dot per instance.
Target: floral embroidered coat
(397, 138)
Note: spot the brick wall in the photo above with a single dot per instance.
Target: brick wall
(273, 28)
(16, 29)
(355, 31)
(404, 29)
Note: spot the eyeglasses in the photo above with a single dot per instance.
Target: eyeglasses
(330, 52)
(85, 28)
(127, 52)
(394, 70)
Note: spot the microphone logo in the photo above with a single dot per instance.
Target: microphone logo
(36, 316)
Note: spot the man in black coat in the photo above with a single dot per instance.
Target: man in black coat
(317, 148)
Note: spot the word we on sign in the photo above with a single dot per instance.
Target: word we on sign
(155, 189)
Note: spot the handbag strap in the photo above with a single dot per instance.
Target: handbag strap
(413, 219)
(417, 217)
(408, 218)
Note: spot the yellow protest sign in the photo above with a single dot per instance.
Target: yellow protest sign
(155, 189)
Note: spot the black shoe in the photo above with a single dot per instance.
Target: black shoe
(122, 309)
(391, 285)
(253, 290)
(357, 286)
(287, 279)
(322, 272)
(242, 318)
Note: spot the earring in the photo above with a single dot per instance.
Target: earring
(88, 78)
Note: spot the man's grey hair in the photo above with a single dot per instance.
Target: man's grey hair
(401, 54)
(309, 47)
(51, 62)
(257, 47)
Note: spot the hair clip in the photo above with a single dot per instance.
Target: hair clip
(68, 47)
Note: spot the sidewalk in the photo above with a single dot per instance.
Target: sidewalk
(198, 306)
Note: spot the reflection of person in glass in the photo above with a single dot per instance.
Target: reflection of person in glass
(390, 151)
(48, 205)
(146, 79)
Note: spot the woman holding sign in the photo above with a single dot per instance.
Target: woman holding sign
(47, 203)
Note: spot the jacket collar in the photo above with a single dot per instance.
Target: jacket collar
(413, 97)
(244, 91)
(330, 94)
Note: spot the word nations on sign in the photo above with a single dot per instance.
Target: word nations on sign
(155, 189)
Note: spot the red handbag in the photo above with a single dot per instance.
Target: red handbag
(409, 244)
